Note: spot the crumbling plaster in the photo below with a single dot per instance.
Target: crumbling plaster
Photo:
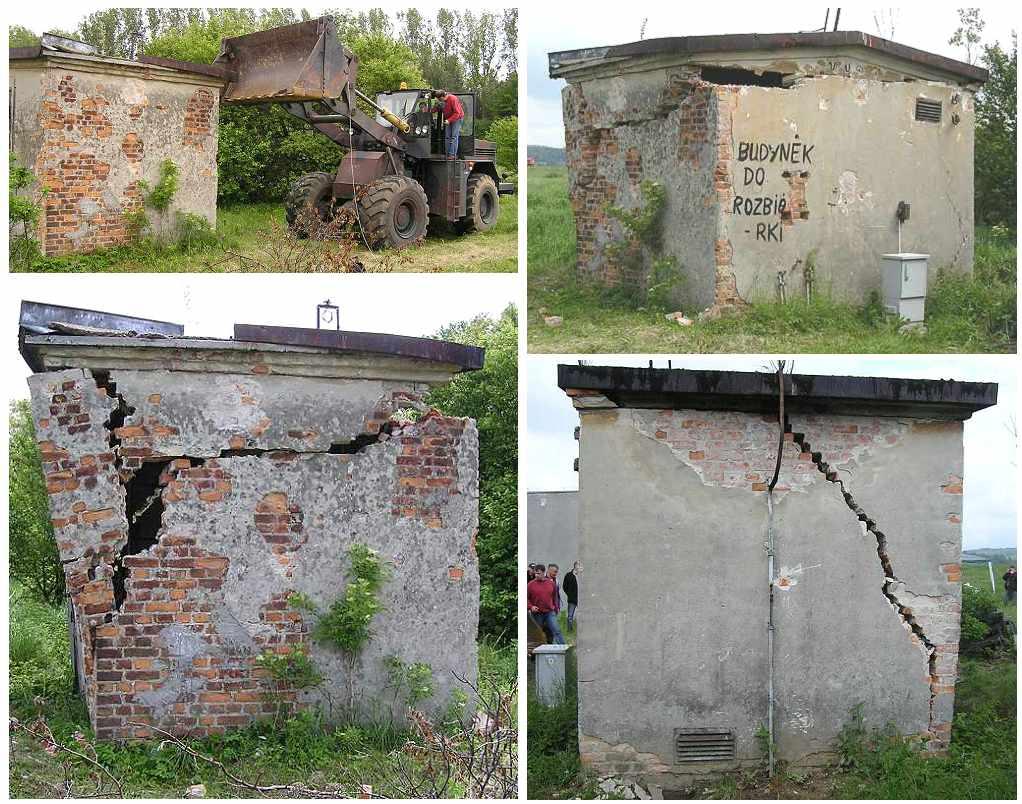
(264, 483)
(673, 541)
(861, 152)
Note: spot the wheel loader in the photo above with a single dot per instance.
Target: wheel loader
(395, 175)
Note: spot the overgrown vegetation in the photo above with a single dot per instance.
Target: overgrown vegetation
(253, 238)
(22, 214)
(649, 276)
(490, 396)
(964, 313)
(31, 549)
(394, 759)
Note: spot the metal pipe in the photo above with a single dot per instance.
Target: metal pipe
(770, 633)
(390, 117)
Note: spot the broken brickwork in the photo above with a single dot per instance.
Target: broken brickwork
(190, 505)
(866, 517)
(775, 163)
(94, 133)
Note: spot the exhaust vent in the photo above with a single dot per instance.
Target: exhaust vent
(703, 745)
(928, 111)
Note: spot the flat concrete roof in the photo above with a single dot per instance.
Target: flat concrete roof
(754, 392)
(870, 47)
(54, 337)
(154, 65)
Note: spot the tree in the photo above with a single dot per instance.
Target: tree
(969, 32)
(32, 551)
(20, 36)
(490, 396)
(997, 138)
(504, 134)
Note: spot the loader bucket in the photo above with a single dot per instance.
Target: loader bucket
(301, 62)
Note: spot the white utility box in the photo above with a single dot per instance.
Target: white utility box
(550, 674)
(904, 284)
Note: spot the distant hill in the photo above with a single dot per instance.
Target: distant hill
(544, 155)
(999, 555)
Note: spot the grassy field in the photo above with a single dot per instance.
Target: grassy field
(251, 237)
(301, 748)
(967, 315)
(981, 763)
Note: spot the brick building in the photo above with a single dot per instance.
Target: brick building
(783, 159)
(195, 485)
(91, 129)
(674, 654)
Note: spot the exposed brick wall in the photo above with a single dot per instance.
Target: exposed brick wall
(159, 642)
(90, 138)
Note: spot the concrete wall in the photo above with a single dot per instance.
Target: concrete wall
(828, 203)
(673, 512)
(553, 528)
(90, 131)
(188, 508)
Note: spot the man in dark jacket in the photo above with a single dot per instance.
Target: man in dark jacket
(570, 587)
(1010, 581)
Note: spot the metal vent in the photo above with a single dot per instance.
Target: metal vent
(928, 111)
(703, 745)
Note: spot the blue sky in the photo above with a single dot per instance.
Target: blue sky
(564, 28)
(990, 453)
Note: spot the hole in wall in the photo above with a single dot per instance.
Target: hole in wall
(735, 76)
(144, 508)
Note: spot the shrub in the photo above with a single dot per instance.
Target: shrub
(34, 561)
(504, 133)
(22, 215)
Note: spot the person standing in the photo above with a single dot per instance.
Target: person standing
(1010, 581)
(454, 114)
(570, 587)
(552, 571)
(541, 593)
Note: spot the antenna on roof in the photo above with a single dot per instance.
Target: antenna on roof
(837, 19)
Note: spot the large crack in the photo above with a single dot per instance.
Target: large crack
(890, 578)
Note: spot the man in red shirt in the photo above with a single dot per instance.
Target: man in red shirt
(542, 594)
(454, 114)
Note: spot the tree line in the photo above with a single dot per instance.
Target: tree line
(263, 150)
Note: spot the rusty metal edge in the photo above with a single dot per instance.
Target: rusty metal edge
(212, 70)
(779, 41)
(467, 358)
(629, 386)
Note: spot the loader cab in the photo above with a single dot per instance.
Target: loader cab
(424, 115)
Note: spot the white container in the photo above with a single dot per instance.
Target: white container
(550, 675)
(904, 284)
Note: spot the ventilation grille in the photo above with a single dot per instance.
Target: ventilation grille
(928, 111)
(703, 745)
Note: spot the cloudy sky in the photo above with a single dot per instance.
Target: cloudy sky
(399, 304)
(563, 28)
(990, 472)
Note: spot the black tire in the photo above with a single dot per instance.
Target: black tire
(394, 212)
(482, 204)
(312, 193)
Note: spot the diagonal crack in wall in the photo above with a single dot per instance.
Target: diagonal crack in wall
(890, 578)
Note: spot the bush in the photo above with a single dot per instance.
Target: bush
(985, 629)
(22, 214)
(504, 133)
(32, 550)
(39, 649)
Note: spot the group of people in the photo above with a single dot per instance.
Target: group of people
(544, 592)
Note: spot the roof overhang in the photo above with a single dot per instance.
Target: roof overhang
(52, 338)
(149, 67)
(601, 387)
(757, 51)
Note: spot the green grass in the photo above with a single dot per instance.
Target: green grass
(245, 229)
(964, 314)
(303, 748)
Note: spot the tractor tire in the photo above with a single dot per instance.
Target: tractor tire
(482, 204)
(394, 212)
(312, 193)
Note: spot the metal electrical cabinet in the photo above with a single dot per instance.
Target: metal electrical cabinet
(904, 284)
